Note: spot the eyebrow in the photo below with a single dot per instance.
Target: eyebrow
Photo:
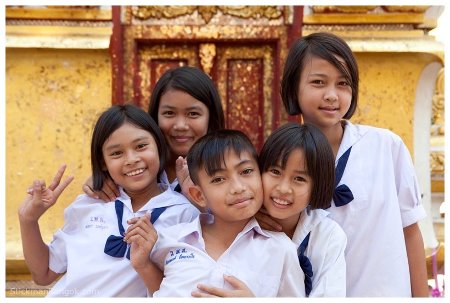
(194, 107)
(134, 141)
(221, 169)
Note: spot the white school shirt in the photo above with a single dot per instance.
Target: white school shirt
(381, 176)
(78, 248)
(325, 251)
(265, 261)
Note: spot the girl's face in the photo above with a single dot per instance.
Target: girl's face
(324, 93)
(182, 119)
(132, 159)
(287, 191)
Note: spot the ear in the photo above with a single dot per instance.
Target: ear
(197, 196)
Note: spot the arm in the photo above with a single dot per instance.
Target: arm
(416, 260)
(240, 289)
(266, 221)
(142, 236)
(109, 191)
(35, 251)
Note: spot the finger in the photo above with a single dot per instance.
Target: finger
(142, 231)
(136, 219)
(111, 188)
(235, 282)
(61, 187)
(267, 222)
(37, 190)
(213, 291)
(198, 294)
(89, 191)
(57, 178)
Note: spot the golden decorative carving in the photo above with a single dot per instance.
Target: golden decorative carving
(207, 12)
(252, 12)
(160, 12)
(342, 9)
(406, 9)
(207, 53)
(438, 103)
(437, 162)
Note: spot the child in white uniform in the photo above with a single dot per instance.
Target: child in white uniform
(186, 105)
(297, 166)
(128, 147)
(377, 199)
(226, 241)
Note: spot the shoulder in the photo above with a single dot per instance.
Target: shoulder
(322, 226)
(378, 132)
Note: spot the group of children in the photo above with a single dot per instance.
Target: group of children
(345, 197)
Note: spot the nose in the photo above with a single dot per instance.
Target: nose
(237, 186)
(331, 94)
(132, 157)
(284, 186)
(180, 123)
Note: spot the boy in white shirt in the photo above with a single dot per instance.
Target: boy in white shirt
(225, 241)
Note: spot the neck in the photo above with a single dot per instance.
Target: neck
(220, 235)
(140, 198)
(334, 135)
(170, 168)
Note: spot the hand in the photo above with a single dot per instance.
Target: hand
(240, 289)
(41, 198)
(142, 236)
(266, 221)
(183, 177)
(109, 191)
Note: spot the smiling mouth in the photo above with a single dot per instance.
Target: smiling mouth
(281, 202)
(135, 172)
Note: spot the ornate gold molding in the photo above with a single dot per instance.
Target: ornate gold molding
(207, 53)
(438, 103)
(207, 12)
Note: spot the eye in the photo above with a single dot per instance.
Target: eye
(193, 114)
(168, 113)
(344, 83)
(317, 81)
(115, 154)
(217, 180)
(299, 179)
(142, 145)
(247, 171)
(275, 171)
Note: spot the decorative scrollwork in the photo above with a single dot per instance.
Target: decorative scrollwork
(206, 12)
(207, 52)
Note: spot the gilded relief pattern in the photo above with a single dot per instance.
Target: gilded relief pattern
(207, 12)
(437, 155)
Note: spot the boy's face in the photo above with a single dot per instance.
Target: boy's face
(234, 192)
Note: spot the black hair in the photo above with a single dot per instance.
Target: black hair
(108, 122)
(209, 151)
(194, 82)
(318, 155)
(326, 46)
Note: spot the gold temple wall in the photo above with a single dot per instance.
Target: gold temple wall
(387, 93)
(53, 97)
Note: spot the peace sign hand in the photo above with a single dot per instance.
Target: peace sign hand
(41, 198)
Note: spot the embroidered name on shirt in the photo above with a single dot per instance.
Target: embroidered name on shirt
(96, 222)
(179, 254)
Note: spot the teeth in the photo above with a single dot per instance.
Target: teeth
(135, 172)
(279, 201)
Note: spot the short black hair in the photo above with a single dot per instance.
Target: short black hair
(194, 82)
(318, 155)
(107, 123)
(326, 46)
(209, 151)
